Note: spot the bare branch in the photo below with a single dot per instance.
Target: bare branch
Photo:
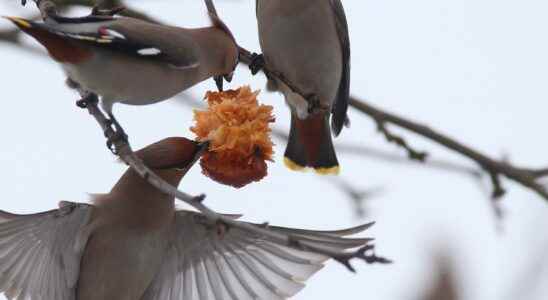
(398, 140)
(527, 178)
(495, 168)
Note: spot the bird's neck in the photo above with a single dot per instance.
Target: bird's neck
(136, 197)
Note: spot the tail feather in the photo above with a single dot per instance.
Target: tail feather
(59, 47)
(20, 22)
(310, 145)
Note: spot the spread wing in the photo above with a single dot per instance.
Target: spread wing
(40, 253)
(340, 106)
(200, 265)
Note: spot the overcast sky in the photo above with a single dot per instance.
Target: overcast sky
(474, 69)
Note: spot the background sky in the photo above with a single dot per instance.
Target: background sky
(473, 69)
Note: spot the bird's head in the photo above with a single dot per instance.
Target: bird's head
(170, 153)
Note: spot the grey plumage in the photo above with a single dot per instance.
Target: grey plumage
(307, 42)
(133, 61)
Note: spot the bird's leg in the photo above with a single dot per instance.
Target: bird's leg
(315, 105)
(257, 63)
(219, 82)
(119, 133)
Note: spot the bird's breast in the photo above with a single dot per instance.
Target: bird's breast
(121, 261)
(131, 80)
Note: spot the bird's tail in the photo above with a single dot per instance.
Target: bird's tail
(310, 145)
(23, 24)
(55, 42)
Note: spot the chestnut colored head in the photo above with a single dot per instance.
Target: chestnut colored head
(169, 153)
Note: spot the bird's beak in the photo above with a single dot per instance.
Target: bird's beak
(219, 82)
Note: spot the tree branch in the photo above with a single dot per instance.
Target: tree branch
(495, 168)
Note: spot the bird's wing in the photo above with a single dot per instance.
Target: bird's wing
(203, 265)
(340, 106)
(40, 253)
(168, 44)
(127, 36)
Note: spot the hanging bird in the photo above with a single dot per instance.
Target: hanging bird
(132, 61)
(132, 244)
(306, 43)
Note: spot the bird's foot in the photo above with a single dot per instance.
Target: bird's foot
(315, 105)
(86, 100)
(257, 63)
(115, 138)
(118, 136)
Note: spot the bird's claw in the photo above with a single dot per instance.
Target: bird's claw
(315, 105)
(119, 134)
(113, 139)
(23, 2)
(82, 103)
(85, 101)
(257, 63)
(219, 82)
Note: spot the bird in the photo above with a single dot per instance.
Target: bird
(132, 61)
(306, 43)
(133, 243)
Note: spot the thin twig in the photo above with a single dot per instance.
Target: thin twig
(401, 142)
(525, 177)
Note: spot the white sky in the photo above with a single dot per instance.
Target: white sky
(474, 69)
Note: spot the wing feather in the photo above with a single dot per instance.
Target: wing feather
(128, 36)
(37, 257)
(340, 106)
(240, 266)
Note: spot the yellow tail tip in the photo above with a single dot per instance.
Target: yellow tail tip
(321, 171)
(19, 22)
(328, 171)
(293, 166)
